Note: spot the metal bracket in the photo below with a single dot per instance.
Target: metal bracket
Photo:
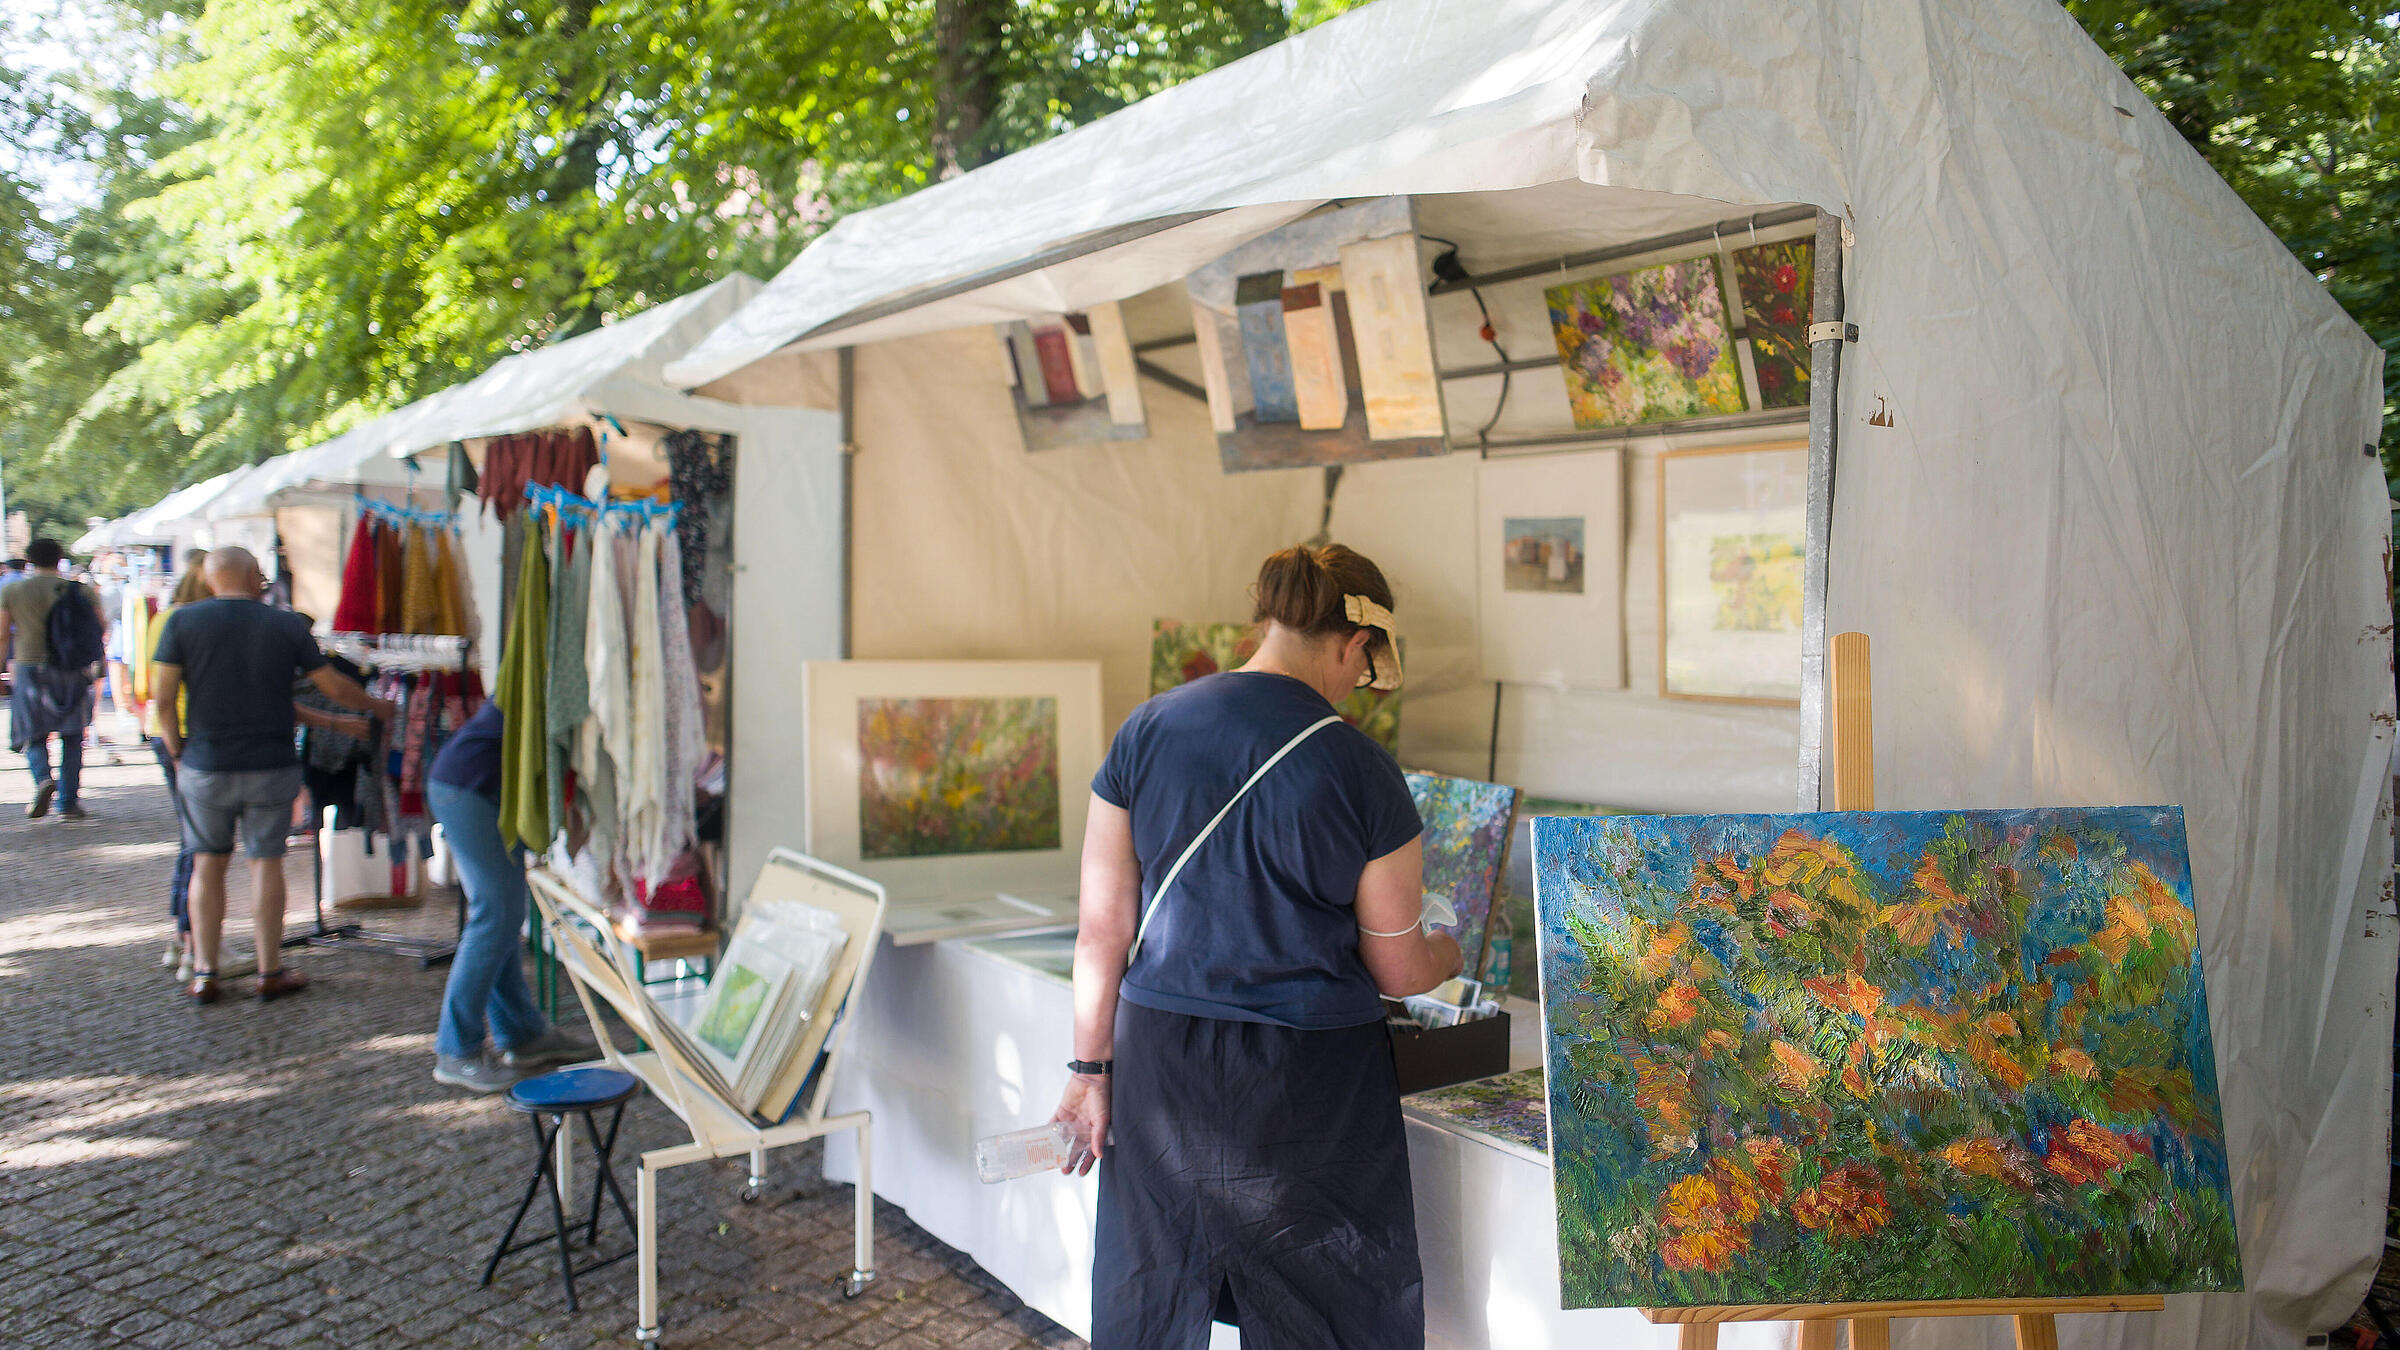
(1832, 332)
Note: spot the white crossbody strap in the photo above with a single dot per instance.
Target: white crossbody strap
(1211, 828)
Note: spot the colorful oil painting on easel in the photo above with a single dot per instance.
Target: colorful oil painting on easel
(1647, 346)
(957, 775)
(1777, 282)
(1511, 1108)
(1466, 845)
(1183, 652)
(1879, 1056)
(1074, 379)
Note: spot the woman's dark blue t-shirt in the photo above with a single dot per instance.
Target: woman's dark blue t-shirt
(1260, 925)
(470, 759)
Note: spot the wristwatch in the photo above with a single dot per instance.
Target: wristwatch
(1100, 1068)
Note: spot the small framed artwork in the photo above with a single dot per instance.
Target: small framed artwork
(1073, 379)
(1551, 570)
(945, 779)
(1732, 554)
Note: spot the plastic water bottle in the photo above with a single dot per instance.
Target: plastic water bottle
(1021, 1153)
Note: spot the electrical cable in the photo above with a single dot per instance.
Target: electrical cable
(1447, 268)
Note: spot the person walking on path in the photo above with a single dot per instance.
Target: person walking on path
(233, 753)
(47, 698)
(487, 976)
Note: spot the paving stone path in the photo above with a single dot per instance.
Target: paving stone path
(289, 1174)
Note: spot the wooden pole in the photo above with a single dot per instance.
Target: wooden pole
(1852, 697)
(1870, 1333)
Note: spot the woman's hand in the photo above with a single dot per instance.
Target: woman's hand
(1084, 1107)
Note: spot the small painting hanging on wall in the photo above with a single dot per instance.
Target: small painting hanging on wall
(1466, 845)
(1183, 652)
(1073, 379)
(1542, 553)
(1732, 565)
(1777, 282)
(1315, 344)
(1879, 1056)
(1650, 345)
(1550, 584)
(957, 775)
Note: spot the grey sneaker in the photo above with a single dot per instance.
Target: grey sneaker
(555, 1046)
(480, 1073)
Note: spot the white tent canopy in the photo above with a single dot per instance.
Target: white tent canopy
(158, 523)
(2111, 548)
(354, 459)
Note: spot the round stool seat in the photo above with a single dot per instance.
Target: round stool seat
(585, 1089)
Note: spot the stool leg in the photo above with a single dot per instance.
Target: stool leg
(564, 1167)
(558, 1212)
(607, 1176)
(541, 1176)
(646, 1239)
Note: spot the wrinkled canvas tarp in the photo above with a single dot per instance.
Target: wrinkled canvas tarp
(2117, 527)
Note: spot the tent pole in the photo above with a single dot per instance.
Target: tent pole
(846, 364)
(1824, 402)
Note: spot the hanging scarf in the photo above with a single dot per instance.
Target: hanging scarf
(645, 777)
(686, 741)
(524, 797)
(602, 744)
(701, 474)
(449, 599)
(356, 611)
(420, 601)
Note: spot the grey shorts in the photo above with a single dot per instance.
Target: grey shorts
(259, 801)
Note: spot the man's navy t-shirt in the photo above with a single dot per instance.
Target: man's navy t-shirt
(1260, 926)
(238, 658)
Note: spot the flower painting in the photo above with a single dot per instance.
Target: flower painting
(943, 776)
(1879, 1056)
(1466, 844)
(1777, 283)
(1511, 1108)
(1183, 652)
(1647, 346)
(1756, 581)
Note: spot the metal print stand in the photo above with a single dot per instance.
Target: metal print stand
(426, 952)
(603, 969)
(1852, 738)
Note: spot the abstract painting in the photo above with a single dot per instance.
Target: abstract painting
(1732, 557)
(1466, 843)
(1651, 345)
(1315, 343)
(1512, 1108)
(1542, 553)
(1073, 379)
(1183, 652)
(1777, 283)
(957, 775)
(1879, 1056)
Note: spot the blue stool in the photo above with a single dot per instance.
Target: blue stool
(556, 1096)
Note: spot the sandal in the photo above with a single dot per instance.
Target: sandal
(203, 988)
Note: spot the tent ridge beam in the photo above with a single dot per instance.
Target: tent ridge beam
(1699, 234)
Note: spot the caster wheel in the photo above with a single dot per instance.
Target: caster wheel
(749, 1195)
(852, 1284)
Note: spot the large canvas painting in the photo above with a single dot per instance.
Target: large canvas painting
(1073, 379)
(1732, 572)
(1650, 345)
(1879, 1056)
(1550, 532)
(1315, 345)
(1466, 843)
(1777, 283)
(957, 775)
(1512, 1109)
(1183, 652)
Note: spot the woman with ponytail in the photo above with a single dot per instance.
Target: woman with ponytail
(1252, 889)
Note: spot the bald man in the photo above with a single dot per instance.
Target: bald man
(236, 770)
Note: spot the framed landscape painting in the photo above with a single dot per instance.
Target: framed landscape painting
(1878, 1056)
(1550, 586)
(1651, 345)
(1732, 554)
(951, 778)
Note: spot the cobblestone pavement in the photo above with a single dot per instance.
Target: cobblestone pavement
(289, 1174)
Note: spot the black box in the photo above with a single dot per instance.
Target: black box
(1431, 1057)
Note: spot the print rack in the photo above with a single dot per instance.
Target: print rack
(1850, 732)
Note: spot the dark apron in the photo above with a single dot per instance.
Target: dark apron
(1259, 1176)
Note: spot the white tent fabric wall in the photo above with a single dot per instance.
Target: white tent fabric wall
(2112, 547)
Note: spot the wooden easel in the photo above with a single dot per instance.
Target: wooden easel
(1852, 738)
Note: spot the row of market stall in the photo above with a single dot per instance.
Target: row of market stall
(1435, 281)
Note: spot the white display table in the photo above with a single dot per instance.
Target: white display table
(965, 1038)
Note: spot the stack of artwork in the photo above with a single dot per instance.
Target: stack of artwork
(1315, 344)
(1074, 379)
(1879, 1056)
(1466, 847)
(1183, 652)
(1731, 563)
(1512, 1110)
(1661, 343)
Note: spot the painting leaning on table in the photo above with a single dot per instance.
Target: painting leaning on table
(1879, 1056)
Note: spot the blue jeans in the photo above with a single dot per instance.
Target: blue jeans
(179, 891)
(70, 763)
(487, 977)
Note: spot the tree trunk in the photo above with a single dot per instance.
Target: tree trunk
(966, 82)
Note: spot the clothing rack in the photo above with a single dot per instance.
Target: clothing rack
(407, 515)
(560, 499)
(402, 651)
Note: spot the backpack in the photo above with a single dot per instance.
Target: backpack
(76, 639)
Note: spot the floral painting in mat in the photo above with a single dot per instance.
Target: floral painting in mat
(1647, 346)
(1466, 845)
(1183, 652)
(1879, 1056)
(957, 775)
(1756, 581)
(1777, 282)
(1511, 1108)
